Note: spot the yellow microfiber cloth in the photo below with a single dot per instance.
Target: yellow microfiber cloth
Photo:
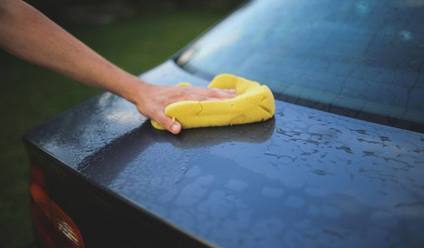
(253, 103)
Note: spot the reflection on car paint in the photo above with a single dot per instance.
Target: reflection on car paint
(304, 178)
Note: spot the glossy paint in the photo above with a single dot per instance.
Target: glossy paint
(305, 178)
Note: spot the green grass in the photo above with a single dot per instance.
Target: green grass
(31, 95)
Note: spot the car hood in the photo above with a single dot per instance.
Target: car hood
(304, 178)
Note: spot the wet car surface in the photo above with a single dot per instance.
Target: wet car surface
(306, 177)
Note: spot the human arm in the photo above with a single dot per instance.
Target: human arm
(30, 35)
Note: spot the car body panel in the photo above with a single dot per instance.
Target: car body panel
(304, 178)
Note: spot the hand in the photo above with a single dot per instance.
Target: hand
(152, 100)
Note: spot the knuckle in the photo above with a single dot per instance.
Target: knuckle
(216, 92)
(184, 92)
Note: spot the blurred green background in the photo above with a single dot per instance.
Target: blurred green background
(135, 35)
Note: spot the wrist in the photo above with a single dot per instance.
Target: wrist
(137, 91)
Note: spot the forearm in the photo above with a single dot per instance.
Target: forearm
(28, 34)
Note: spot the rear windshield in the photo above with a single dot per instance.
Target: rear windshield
(361, 57)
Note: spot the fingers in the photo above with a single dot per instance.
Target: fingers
(153, 103)
(169, 124)
(221, 93)
(201, 94)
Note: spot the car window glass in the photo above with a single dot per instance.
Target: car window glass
(363, 55)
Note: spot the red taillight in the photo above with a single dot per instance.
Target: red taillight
(52, 225)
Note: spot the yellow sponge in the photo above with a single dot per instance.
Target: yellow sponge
(253, 103)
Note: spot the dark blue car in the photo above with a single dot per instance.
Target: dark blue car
(340, 165)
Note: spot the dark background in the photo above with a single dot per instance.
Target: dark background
(136, 35)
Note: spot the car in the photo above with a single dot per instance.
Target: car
(340, 165)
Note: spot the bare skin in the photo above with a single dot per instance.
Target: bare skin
(30, 35)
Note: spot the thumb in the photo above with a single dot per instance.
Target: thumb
(168, 123)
